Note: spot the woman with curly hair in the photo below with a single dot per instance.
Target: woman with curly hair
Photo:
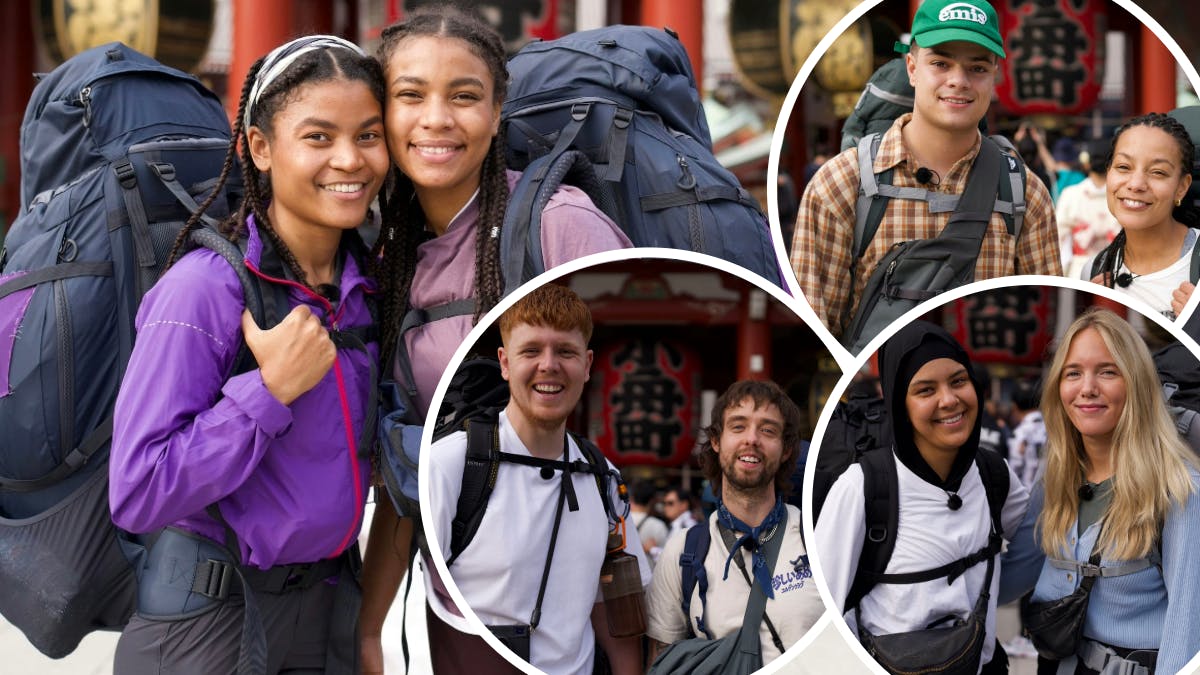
(1148, 175)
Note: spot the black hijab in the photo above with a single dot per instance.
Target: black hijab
(900, 358)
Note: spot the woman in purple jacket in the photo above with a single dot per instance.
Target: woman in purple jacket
(256, 469)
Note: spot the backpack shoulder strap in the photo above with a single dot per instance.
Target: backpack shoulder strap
(1010, 200)
(691, 569)
(1194, 269)
(258, 295)
(599, 470)
(881, 498)
(869, 210)
(978, 199)
(479, 477)
(1099, 261)
(993, 472)
(521, 255)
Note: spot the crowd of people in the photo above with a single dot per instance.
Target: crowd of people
(266, 471)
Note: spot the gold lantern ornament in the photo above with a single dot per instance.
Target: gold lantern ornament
(176, 32)
(847, 65)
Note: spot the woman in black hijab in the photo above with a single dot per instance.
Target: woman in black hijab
(909, 536)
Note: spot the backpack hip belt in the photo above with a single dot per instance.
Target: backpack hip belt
(167, 592)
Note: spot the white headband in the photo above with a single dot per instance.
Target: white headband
(283, 56)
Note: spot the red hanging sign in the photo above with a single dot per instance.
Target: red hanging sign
(1055, 54)
(1007, 325)
(645, 399)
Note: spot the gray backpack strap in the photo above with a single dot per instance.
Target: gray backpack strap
(1015, 206)
(1194, 269)
(868, 189)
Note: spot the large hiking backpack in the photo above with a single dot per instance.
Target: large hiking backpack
(625, 97)
(915, 271)
(1179, 372)
(116, 151)
(858, 425)
(882, 499)
(887, 95)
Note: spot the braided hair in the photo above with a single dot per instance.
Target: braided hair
(319, 65)
(404, 220)
(1113, 256)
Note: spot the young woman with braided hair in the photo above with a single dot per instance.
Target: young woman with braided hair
(257, 469)
(440, 247)
(1148, 175)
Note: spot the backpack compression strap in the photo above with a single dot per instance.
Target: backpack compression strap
(880, 488)
(691, 569)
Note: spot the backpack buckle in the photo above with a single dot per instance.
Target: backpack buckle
(579, 111)
(213, 578)
(622, 117)
(126, 175)
(164, 170)
(877, 534)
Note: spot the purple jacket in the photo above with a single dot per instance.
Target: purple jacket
(287, 479)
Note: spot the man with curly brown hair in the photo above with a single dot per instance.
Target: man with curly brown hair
(751, 450)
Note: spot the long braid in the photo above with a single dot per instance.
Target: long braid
(493, 202)
(194, 220)
(396, 251)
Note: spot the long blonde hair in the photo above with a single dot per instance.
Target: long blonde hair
(1150, 460)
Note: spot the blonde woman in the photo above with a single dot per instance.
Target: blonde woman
(1119, 514)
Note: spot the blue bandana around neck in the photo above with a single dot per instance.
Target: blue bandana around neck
(754, 534)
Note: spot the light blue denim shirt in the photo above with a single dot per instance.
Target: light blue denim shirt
(1147, 609)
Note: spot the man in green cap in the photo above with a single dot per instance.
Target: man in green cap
(952, 63)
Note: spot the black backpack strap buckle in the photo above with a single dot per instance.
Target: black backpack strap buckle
(213, 578)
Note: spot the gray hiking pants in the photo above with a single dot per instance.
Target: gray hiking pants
(296, 624)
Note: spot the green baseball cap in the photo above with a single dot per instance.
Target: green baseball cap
(939, 21)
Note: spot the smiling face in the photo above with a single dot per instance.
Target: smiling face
(953, 85)
(750, 447)
(942, 406)
(1092, 388)
(546, 369)
(326, 157)
(1145, 178)
(442, 113)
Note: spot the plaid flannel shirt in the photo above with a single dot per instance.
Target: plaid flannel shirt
(821, 248)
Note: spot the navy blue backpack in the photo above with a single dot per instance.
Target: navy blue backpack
(116, 150)
(624, 100)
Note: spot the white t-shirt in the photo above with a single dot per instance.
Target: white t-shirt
(500, 571)
(929, 535)
(794, 609)
(1155, 288)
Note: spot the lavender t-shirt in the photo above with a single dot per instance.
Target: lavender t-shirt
(572, 227)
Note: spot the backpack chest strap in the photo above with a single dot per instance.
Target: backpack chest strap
(1088, 569)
